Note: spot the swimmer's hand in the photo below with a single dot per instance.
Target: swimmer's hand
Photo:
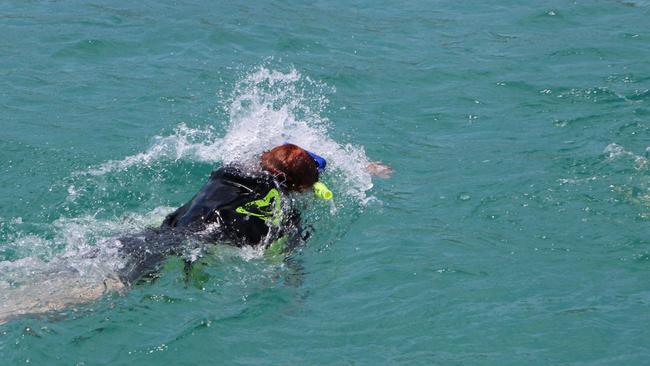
(379, 169)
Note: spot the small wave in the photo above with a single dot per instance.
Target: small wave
(594, 95)
(640, 96)
(633, 185)
(615, 151)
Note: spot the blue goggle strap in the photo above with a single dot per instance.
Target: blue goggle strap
(321, 163)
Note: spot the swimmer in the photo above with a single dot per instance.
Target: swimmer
(240, 206)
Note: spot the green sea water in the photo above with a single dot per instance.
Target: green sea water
(513, 231)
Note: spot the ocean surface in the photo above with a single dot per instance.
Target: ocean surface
(513, 230)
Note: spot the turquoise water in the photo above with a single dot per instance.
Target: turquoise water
(513, 230)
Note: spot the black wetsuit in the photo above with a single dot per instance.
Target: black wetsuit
(235, 206)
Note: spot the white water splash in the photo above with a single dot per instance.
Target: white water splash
(74, 237)
(185, 143)
(266, 109)
(249, 253)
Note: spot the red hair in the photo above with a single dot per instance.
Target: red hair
(293, 164)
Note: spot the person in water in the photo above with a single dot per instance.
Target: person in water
(238, 206)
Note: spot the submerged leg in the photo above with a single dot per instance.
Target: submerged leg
(88, 275)
(53, 293)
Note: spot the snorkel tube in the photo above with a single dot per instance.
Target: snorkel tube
(320, 189)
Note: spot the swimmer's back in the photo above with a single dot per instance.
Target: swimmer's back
(227, 189)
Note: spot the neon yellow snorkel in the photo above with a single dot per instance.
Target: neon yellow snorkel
(321, 191)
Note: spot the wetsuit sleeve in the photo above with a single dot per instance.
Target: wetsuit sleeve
(172, 218)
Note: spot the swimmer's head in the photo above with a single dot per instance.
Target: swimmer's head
(293, 165)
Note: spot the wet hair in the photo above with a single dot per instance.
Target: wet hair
(292, 165)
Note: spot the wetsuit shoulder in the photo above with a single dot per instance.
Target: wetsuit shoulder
(227, 189)
(172, 218)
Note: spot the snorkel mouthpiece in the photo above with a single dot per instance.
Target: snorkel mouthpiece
(321, 191)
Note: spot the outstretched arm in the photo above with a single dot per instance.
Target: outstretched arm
(379, 169)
